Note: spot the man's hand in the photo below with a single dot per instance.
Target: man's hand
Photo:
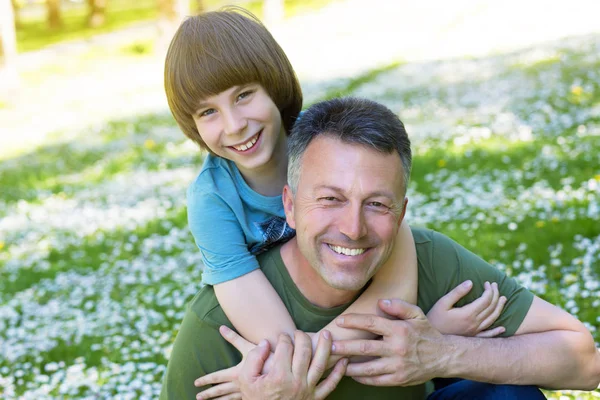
(410, 351)
(293, 375)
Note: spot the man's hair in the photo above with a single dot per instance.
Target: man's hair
(353, 121)
(217, 50)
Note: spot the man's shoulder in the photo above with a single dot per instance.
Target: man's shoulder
(206, 308)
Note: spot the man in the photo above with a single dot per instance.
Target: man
(348, 170)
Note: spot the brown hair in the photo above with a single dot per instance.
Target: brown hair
(217, 50)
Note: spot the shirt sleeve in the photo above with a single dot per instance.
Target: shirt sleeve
(458, 264)
(219, 236)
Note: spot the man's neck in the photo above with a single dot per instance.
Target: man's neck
(309, 282)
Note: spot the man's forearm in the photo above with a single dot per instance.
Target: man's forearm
(555, 360)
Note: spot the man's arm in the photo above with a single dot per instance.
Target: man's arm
(552, 350)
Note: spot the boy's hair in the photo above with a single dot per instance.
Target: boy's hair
(217, 50)
(353, 121)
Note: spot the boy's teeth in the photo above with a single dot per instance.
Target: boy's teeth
(345, 251)
(249, 144)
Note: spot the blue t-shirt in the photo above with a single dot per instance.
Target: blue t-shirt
(231, 223)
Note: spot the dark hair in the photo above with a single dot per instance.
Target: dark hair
(217, 50)
(352, 120)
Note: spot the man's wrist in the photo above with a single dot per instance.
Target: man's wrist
(448, 365)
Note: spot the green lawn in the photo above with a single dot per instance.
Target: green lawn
(96, 261)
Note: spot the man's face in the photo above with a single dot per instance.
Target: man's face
(347, 210)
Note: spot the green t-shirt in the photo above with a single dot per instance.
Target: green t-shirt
(199, 349)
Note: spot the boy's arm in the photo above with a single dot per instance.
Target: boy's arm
(254, 308)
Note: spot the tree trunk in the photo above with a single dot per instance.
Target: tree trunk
(97, 14)
(273, 12)
(171, 13)
(9, 78)
(54, 18)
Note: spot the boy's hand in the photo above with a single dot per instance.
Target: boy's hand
(472, 319)
(225, 381)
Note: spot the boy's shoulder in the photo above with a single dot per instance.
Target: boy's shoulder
(215, 173)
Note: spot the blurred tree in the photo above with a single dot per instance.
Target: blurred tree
(8, 47)
(200, 7)
(273, 12)
(54, 17)
(97, 14)
(16, 8)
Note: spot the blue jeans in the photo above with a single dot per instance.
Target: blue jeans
(456, 389)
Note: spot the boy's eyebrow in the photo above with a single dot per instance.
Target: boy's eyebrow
(204, 104)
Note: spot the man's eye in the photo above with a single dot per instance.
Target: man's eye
(328, 198)
(378, 204)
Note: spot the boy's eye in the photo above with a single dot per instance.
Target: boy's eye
(206, 113)
(244, 94)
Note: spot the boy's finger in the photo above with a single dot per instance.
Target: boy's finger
(480, 304)
(225, 375)
(490, 333)
(236, 340)
(490, 319)
(328, 385)
(282, 359)
(302, 354)
(493, 303)
(318, 365)
(451, 298)
(219, 390)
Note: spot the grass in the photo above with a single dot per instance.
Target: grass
(96, 261)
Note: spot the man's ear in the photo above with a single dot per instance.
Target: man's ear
(403, 213)
(288, 206)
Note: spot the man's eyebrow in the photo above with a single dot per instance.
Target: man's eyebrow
(381, 193)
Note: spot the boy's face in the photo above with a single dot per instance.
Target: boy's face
(242, 124)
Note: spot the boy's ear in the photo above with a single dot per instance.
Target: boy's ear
(288, 206)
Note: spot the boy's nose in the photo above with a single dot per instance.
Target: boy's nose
(234, 123)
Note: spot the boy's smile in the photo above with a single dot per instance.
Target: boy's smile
(243, 124)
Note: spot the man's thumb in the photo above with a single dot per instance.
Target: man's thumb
(253, 363)
(401, 309)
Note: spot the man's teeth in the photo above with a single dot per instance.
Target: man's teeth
(247, 145)
(345, 251)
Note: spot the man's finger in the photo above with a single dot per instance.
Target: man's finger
(374, 348)
(283, 353)
(318, 365)
(225, 375)
(236, 340)
(376, 367)
(366, 322)
(302, 354)
(219, 390)
(401, 309)
(450, 299)
(232, 396)
(329, 384)
(383, 380)
(254, 361)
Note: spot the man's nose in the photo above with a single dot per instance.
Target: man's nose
(234, 122)
(353, 223)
